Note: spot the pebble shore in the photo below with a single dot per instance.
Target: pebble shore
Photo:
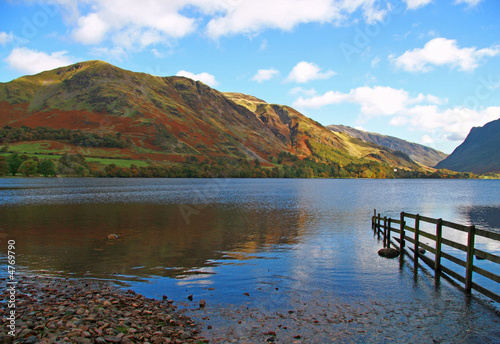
(55, 310)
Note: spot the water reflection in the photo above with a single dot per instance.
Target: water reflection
(292, 245)
(153, 239)
(486, 217)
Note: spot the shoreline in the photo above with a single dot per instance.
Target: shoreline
(58, 310)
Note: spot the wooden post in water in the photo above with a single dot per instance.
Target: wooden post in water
(402, 234)
(378, 226)
(417, 238)
(385, 229)
(439, 240)
(374, 220)
(388, 236)
(470, 259)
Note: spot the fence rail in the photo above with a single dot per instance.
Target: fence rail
(384, 226)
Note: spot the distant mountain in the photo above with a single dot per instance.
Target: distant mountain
(111, 112)
(422, 154)
(479, 153)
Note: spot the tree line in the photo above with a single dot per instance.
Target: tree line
(73, 136)
(287, 165)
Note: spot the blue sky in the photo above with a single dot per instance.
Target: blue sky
(422, 70)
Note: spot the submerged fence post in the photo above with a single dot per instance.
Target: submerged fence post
(402, 234)
(439, 239)
(470, 259)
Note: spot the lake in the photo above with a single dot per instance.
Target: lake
(293, 256)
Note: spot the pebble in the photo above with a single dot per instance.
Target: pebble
(52, 311)
(112, 339)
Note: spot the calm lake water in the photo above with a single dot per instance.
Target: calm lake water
(296, 257)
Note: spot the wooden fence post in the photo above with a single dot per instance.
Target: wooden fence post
(388, 236)
(439, 239)
(378, 227)
(385, 229)
(402, 234)
(417, 238)
(470, 259)
(374, 220)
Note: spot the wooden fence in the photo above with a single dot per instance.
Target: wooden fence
(384, 226)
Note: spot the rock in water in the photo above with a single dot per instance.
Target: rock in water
(388, 253)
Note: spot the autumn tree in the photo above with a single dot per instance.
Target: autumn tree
(29, 167)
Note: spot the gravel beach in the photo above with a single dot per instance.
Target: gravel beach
(58, 310)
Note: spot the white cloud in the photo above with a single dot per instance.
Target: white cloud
(250, 16)
(97, 20)
(265, 74)
(131, 23)
(306, 71)
(299, 90)
(157, 53)
(440, 52)
(263, 45)
(374, 101)
(328, 98)
(427, 140)
(116, 53)
(91, 29)
(471, 3)
(32, 61)
(205, 78)
(426, 113)
(375, 62)
(414, 4)
(452, 124)
(6, 37)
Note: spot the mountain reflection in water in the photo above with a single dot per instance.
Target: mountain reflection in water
(153, 239)
(487, 217)
(298, 254)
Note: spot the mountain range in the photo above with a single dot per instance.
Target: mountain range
(98, 110)
(422, 154)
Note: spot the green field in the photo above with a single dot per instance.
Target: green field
(117, 162)
(100, 161)
(31, 148)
